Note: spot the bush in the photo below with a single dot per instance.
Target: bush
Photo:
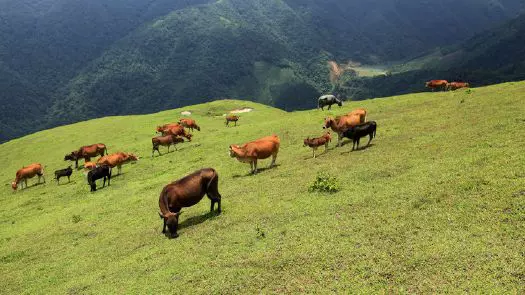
(324, 182)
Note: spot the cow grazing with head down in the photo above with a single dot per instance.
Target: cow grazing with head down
(86, 153)
(437, 84)
(252, 151)
(361, 112)
(99, 172)
(356, 132)
(314, 143)
(231, 118)
(340, 124)
(189, 123)
(117, 160)
(174, 129)
(23, 174)
(457, 85)
(187, 192)
(328, 100)
(167, 140)
(63, 173)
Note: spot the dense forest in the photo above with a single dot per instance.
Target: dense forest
(63, 61)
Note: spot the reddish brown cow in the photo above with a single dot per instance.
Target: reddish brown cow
(167, 140)
(457, 85)
(314, 143)
(340, 124)
(261, 148)
(117, 160)
(231, 118)
(187, 192)
(361, 112)
(86, 152)
(23, 174)
(436, 84)
(174, 129)
(190, 124)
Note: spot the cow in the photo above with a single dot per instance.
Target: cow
(356, 132)
(190, 124)
(361, 112)
(187, 192)
(231, 118)
(117, 160)
(62, 173)
(174, 129)
(328, 100)
(436, 84)
(86, 152)
(167, 140)
(457, 85)
(314, 143)
(340, 124)
(261, 148)
(99, 172)
(23, 174)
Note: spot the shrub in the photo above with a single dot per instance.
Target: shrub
(324, 182)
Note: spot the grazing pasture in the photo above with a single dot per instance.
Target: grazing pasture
(435, 204)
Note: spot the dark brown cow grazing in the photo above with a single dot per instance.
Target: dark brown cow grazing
(174, 129)
(314, 143)
(231, 118)
(437, 84)
(187, 192)
(23, 174)
(167, 140)
(457, 85)
(190, 124)
(86, 152)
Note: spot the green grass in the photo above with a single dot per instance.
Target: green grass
(436, 204)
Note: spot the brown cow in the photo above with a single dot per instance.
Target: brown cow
(231, 118)
(190, 124)
(258, 149)
(457, 85)
(174, 129)
(23, 174)
(436, 84)
(314, 143)
(187, 192)
(117, 160)
(361, 112)
(167, 140)
(86, 152)
(341, 124)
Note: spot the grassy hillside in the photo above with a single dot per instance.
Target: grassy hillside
(436, 204)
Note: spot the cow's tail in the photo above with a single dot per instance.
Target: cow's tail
(375, 129)
(213, 178)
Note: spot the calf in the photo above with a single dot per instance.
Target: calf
(187, 192)
(63, 172)
(23, 174)
(356, 132)
(231, 118)
(98, 173)
(314, 143)
(167, 140)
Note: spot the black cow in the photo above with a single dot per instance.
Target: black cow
(63, 172)
(356, 132)
(328, 100)
(98, 173)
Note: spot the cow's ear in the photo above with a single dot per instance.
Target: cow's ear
(161, 215)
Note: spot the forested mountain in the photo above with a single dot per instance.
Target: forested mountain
(67, 60)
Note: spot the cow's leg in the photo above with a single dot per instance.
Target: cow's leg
(326, 147)
(313, 152)
(214, 195)
(68, 179)
(104, 183)
(353, 143)
(274, 157)
(339, 139)
(164, 226)
(255, 166)
(58, 180)
(329, 107)
(358, 139)
(119, 167)
(169, 148)
(369, 138)
(109, 177)
(76, 163)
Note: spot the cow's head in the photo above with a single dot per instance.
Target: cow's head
(188, 136)
(14, 185)
(132, 157)
(328, 122)
(160, 129)
(427, 84)
(71, 157)
(306, 141)
(328, 136)
(172, 222)
(234, 150)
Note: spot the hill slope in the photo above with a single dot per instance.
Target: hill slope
(436, 204)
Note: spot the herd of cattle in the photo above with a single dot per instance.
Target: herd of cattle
(189, 190)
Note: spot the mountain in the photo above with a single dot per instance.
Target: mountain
(86, 59)
(434, 205)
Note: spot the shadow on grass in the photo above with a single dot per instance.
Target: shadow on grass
(360, 149)
(194, 220)
(259, 170)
